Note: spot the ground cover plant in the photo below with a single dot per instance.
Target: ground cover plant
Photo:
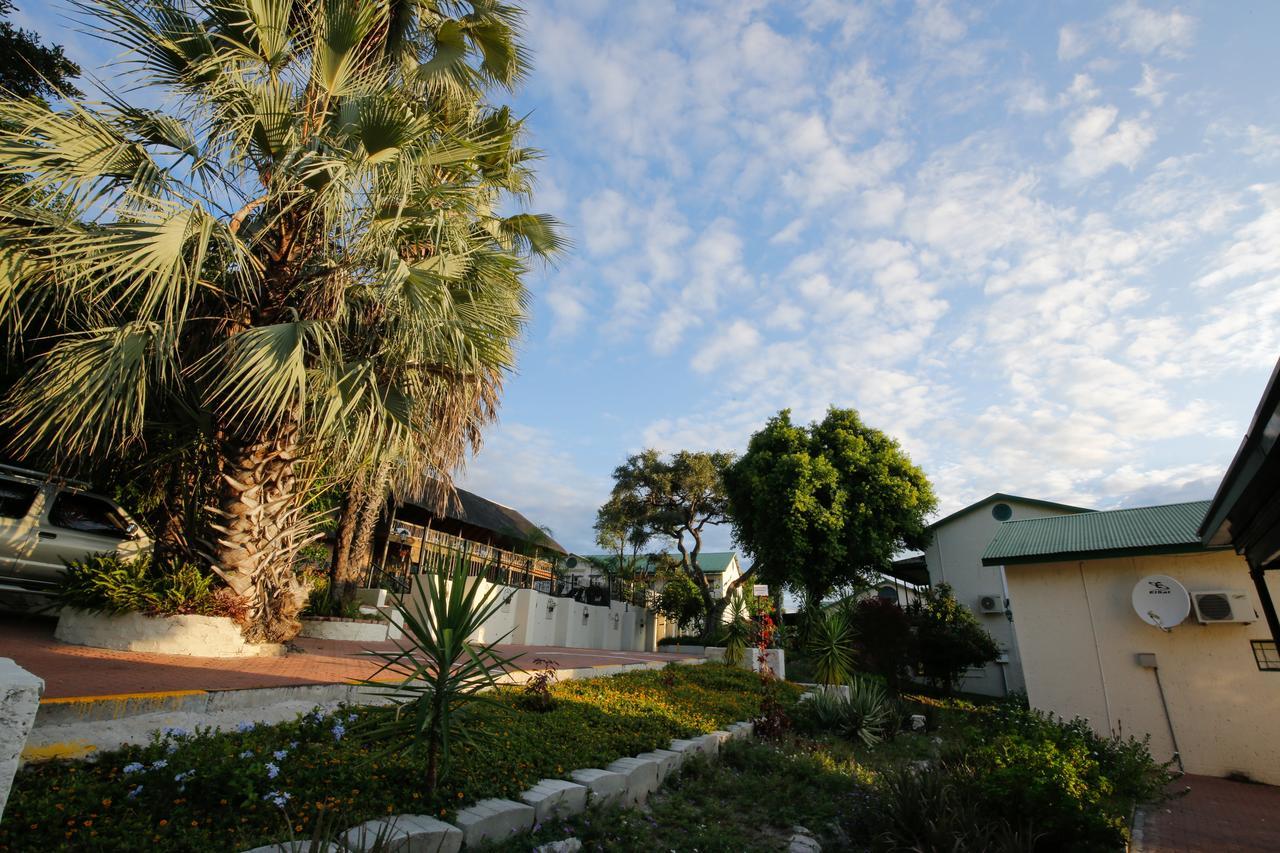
(747, 801)
(239, 789)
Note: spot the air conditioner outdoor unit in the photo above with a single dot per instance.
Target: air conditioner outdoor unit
(991, 604)
(1222, 605)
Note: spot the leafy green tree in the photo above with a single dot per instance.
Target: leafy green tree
(32, 69)
(824, 506)
(947, 637)
(303, 252)
(681, 600)
(673, 499)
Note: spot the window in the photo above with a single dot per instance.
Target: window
(1002, 512)
(87, 515)
(16, 498)
(1264, 652)
(888, 593)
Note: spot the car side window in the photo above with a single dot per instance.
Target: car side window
(88, 515)
(16, 498)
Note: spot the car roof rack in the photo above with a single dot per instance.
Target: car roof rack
(42, 476)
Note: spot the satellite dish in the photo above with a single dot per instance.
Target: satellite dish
(1161, 601)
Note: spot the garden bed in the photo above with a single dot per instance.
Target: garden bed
(237, 790)
(198, 636)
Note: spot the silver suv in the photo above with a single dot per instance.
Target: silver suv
(46, 523)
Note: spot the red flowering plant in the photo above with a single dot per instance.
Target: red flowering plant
(773, 721)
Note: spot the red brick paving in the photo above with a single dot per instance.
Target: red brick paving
(82, 671)
(1215, 816)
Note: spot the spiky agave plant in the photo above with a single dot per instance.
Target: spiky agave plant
(303, 246)
(436, 669)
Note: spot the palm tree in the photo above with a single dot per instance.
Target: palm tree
(305, 247)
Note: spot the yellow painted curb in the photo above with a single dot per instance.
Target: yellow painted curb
(117, 697)
(53, 751)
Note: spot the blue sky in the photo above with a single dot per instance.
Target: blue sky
(1038, 243)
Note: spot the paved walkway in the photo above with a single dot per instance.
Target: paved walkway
(1215, 816)
(79, 671)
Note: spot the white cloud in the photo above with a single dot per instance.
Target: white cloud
(727, 344)
(1072, 43)
(1146, 31)
(1099, 142)
(1153, 85)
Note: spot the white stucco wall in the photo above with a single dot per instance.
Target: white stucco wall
(1079, 637)
(537, 619)
(955, 557)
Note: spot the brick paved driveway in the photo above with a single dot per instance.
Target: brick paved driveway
(81, 671)
(1215, 816)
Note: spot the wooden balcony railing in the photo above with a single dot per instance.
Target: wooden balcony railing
(414, 549)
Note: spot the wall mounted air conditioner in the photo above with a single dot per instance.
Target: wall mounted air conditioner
(1222, 606)
(991, 604)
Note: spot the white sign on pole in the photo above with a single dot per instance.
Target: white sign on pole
(761, 590)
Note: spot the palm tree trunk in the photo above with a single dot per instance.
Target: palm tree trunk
(260, 532)
(372, 502)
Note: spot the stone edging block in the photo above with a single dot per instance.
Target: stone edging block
(686, 747)
(553, 798)
(668, 762)
(493, 820)
(642, 778)
(604, 785)
(19, 700)
(406, 833)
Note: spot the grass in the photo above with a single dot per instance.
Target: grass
(241, 794)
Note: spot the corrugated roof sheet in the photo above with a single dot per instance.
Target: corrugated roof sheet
(1149, 529)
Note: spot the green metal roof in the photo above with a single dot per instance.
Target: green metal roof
(1168, 529)
(711, 562)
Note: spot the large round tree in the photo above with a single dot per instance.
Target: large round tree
(303, 251)
(821, 507)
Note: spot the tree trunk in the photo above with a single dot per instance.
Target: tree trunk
(261, 529)
(372, 502)
(348, 514)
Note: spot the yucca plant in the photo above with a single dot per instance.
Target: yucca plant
(868, 710)
(303, 252)
(438, 670)
(831, 646)
(737, 630)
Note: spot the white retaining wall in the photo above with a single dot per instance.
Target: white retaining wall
(19, 698)
(206, 636)
(534, 618)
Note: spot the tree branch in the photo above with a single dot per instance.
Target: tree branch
(238, 219)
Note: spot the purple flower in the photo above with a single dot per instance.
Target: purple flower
(134, 793)
(248, 753)
(244, 726)
(135, 767)
(278, 797)
(338, 731)
(279, 754)
(272, 771)
(158, 764)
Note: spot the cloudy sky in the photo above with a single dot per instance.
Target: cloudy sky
(1038, 243)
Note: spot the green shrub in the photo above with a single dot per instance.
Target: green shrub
(937, 808)
(108, 583)
(324, 600)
